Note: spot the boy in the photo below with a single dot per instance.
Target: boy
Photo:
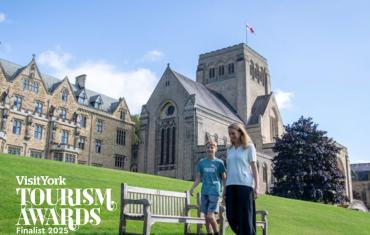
(210, 171)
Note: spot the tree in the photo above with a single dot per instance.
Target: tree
(136, 119)
(306, 164)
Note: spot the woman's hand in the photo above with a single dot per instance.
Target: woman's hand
(256, 192)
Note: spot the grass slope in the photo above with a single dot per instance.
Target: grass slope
(286, 216)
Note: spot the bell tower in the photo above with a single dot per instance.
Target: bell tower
(238, 73)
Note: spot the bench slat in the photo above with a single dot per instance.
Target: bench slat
(155, 192)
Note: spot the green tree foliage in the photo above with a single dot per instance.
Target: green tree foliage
(306, 164)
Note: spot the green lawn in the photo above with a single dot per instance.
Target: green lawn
(285, 216)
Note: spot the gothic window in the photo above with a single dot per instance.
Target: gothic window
(231, 68)
(173, 145)
(64, 137)
(98, 146)
(221, 70)
(257, 72)
(122, 115)
(99, 125)
(38, 107)
(162, 146)
(81, 143)
(264, 169)
(64, 95)
(58, 156)
(17, 126)
(26, 84)
(63, 113)
(274, 132)
(170, 110)
(119, 161)
(264, 76)
(35, 87)
(81, 99)
(36, 154)
(121, 137)
(98, 102)
(211, 72)
(167, 136)
(70, 158)
(251, 69)
(18, 102)
(38, 132)
(83, 121)
(14, 150)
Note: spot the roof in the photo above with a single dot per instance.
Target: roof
(362, 171)
(11, 70)
(207, 98)
(259, 108)
(358, 167)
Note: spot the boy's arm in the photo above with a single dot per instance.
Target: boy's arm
(196, 183)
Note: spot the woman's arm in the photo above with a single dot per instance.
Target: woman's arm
(223, 176)
(196, 183)
(256, 178)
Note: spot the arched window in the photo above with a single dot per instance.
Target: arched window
(167, 136)
(221, 70)
(64, 95)
(231, 68)
(211, 72)
(264, 169)
(251, 69)
(274, 131)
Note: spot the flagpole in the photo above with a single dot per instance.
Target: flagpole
(246, 36)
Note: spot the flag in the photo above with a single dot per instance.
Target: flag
(250, 29)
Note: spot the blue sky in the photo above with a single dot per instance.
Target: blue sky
(318, 51)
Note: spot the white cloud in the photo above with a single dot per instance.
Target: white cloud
(2, 17)
(135, 86)
(55, 60)
(284, 99)
(154, 55)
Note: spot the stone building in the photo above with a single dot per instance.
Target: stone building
(44, 117)
(361, 182)
(232, 85)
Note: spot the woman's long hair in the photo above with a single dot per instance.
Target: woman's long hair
(244, 137)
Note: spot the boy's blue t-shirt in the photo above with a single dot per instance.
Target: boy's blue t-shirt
(210, 171)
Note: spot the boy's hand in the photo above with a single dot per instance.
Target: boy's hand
(223, 201)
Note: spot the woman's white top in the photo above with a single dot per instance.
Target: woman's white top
(239, 171)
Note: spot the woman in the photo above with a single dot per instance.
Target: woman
(241, 182)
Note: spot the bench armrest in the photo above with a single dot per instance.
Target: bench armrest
(143, 201)
(192, 207)
(263, 214)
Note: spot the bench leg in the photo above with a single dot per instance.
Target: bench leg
(265, 229)
(122, 225)
(222, 226)
(147, 225)
(186, 229)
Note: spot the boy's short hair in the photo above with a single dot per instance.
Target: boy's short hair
(211, 142)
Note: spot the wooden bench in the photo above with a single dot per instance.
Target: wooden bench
(261, 219)
(152, 205)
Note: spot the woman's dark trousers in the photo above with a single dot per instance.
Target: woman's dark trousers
(241, 209)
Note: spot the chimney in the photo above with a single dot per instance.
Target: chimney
(80, 81)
